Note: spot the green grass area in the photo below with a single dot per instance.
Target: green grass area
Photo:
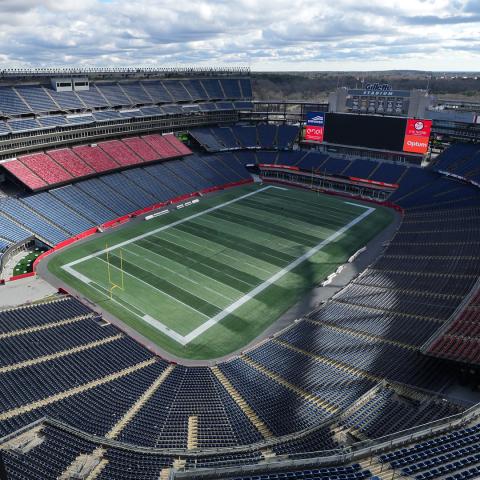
(234, 269)
(25, 265)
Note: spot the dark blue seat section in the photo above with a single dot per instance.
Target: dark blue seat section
(361, 168)
(352, 472)
(286, 136)
(11, 231)
(39, 315)
(282, 410)
(225, 136)
(246, 136)
(87, 206)
(291, 157)
(35, 382)
(33, 222)
(163, 421)
(267, 136)
(11, 103)
(96, 410)
(57, 212)
(320, 440)
(207, 139)
(20, 348)
(49, 459)
(246, 157)
(312, 161)
(119, 183)
(231, 88)
(149, 183)
(322, 380)
(195, 89)
(388, 172)
(267, 157)
(386, 360)
(129, 465)
(386, 411)
(213, 89)
(455, 455)
(102, 193)
(37, 98)
(234, 164)
(335, 166)
(460, 158)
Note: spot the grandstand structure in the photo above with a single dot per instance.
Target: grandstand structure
(363, 386)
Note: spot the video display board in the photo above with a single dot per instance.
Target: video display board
(369, 131)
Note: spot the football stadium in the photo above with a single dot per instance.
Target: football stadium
(235, 289)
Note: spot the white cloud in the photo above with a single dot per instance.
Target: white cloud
(285, 34)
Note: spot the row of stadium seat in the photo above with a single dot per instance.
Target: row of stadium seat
(262, 136)
(24, 99)
(63, 212)
(41, 170)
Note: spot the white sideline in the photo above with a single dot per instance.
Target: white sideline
(165, 227)
(234, 306)
(184, 340)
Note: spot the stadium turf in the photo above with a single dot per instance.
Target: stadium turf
(205, 280)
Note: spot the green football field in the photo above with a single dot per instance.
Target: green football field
(204, 280)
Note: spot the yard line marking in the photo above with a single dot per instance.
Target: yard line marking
(158, 265)
(197, 272)
(158, 290)
(213, 268)
(180, 237)
(181, 276)
(165, 227)
(218, 293)
(234, 306)
(236, 259)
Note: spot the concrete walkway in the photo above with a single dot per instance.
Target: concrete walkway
(25, 291)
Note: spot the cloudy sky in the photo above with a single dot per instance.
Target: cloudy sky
(437, 35)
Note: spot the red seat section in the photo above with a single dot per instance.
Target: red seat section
(120, 152)
(161, 145)
(177, 144)
(70, 162)
(46, 168)
(24, 174)
(141, 148)
(55, 167)
(96, 158)
(461, 339)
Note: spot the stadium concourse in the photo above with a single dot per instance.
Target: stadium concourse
(366, 385)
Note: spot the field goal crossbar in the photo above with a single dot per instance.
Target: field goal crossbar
(111, 283)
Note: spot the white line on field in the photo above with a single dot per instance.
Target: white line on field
(165, 227)
(234, 306)
(155, 288)
(184, 340)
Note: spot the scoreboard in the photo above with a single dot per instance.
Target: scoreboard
(397, 134)
(378, 98)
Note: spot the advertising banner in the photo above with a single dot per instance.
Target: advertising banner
(417, 136)
(314, 129)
